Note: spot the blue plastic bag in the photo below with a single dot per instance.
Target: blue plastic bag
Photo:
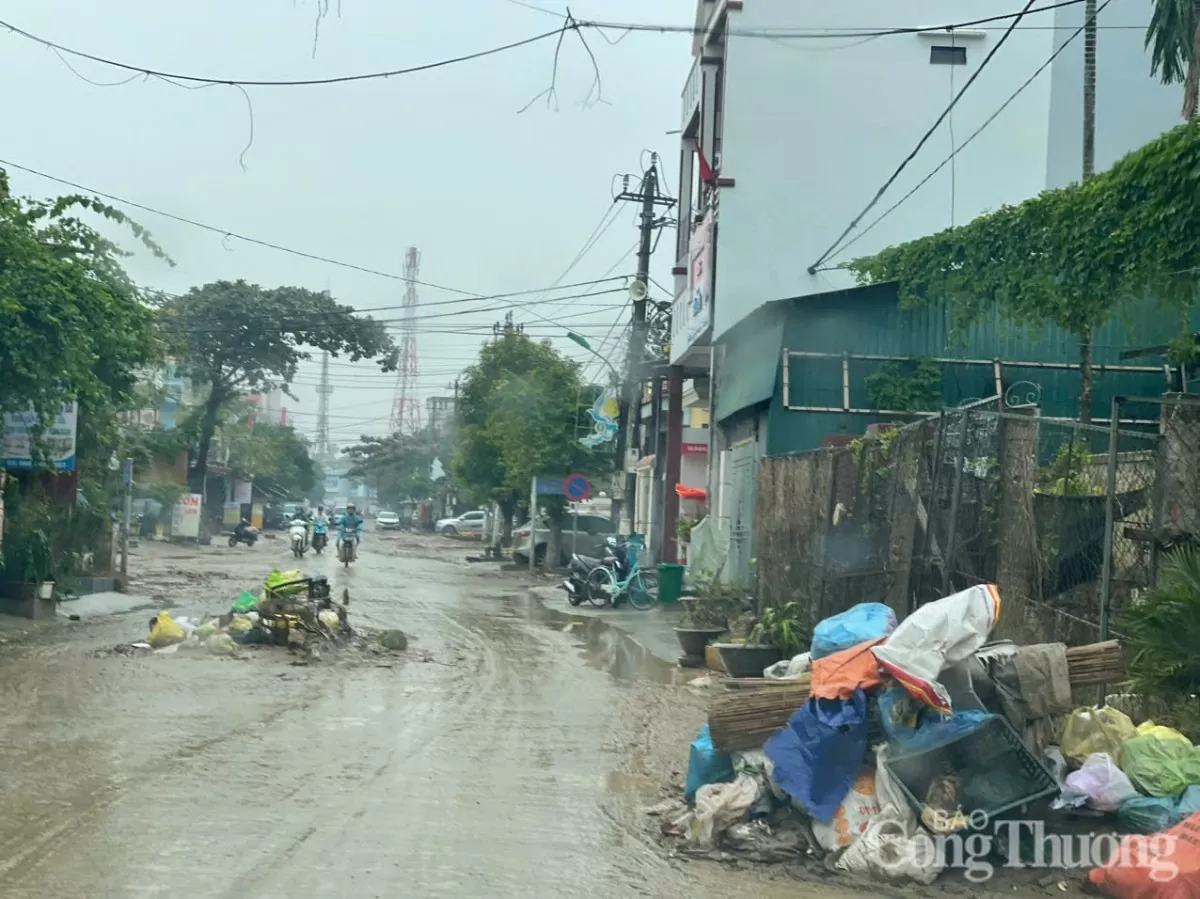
(818, 755)
(1189, 804)
(911, 726)
(1147, 814)
(706, 765)
(865, 622)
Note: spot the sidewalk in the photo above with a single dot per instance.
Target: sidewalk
(654, 629)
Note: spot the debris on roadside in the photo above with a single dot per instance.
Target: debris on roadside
(897, 745)
(291, 611)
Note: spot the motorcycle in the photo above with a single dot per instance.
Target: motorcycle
(320, 536)
(580, 566)
(298, 534)
(244, 533)
(348, 550)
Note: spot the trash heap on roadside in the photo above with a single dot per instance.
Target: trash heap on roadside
(291, 610)
(889, 740)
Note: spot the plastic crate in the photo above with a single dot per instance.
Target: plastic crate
(995, 772)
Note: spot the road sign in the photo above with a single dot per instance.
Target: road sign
(127, 473)
(576, 488)
(550, 486)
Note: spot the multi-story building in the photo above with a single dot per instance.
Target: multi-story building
(796, 115)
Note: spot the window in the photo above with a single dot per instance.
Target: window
(947, 56)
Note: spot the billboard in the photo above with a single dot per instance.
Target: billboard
(57, 443)
(691, 314)
(185, 516)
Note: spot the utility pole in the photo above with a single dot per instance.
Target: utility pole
(323, 393)
(630, 416)
(1089, 169)
(127, 477)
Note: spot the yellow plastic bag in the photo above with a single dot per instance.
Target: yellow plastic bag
(241, 625)
(1096, 730)
(1150, 729)
(165, 632)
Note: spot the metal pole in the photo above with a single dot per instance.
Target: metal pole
(575, 529)
(127, 473)
(1110, 500)
(955, 499)
(673, 462)
(533, 525)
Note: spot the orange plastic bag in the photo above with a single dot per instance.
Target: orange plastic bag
(1158, 866)
(838, 675)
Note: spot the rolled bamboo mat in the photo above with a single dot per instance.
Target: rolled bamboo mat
(746, 716)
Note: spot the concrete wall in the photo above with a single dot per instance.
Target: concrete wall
(813, 127)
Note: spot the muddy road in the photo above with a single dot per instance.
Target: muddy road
(508, 753)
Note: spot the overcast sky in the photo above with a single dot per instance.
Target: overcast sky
(496, 201)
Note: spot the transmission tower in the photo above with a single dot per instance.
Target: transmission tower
(406, 411)
(324, 390)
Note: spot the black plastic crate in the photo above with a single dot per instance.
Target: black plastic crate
(994, 771)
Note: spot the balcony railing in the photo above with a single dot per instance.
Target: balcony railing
(692, 92)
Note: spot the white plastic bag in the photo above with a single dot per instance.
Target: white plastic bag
(934, 637)
(850, 821)
(790, 669)
(894, 846)
(718, 807)
(1105, 785)
(708, 548)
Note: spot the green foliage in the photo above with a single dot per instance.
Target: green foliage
(1164, 631)
(520, 409)
(272, 454)
(72, 324)
(400, 466)
(1171, 40)
(1069, 258)
(712, 612)
(1069, 472)
(234, 337)
(911, 386)
(684, 525)
(782, 627)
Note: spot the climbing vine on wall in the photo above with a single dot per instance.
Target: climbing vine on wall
(914, 385)
(1068, 257)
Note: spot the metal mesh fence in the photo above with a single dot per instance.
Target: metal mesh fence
(1070, 519)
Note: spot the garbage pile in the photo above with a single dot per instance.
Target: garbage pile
(910, 747)
(291, 610)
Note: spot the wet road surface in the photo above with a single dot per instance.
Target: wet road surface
(502, 766)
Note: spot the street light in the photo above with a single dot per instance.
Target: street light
(583, 342)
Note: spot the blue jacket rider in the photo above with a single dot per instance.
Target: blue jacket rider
(351, 523)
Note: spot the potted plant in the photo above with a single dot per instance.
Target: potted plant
(683, 533)
(704, 619)
(779, 634)
(29, 569)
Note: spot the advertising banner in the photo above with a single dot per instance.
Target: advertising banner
(185, 516)
(243, 491)
(57, 442)
(692, 311)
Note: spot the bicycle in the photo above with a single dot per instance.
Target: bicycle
(603, 580)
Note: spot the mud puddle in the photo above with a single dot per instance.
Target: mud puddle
(602, 645)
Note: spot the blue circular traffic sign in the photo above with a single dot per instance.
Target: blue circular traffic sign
(577, 488)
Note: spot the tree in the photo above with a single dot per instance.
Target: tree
(400, 466)
(237, 337)
(521, 408)
(274, 455)
(1173, 38)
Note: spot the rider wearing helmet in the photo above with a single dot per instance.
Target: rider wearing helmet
(351, 526)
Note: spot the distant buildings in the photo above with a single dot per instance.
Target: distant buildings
(440, 412)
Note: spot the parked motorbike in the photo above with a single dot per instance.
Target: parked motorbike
(298, 534)
(320, 537)
(244, 532)
(581, 566)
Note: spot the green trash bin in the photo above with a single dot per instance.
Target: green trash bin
(670, 582)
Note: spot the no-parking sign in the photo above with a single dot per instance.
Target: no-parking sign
(577, 488)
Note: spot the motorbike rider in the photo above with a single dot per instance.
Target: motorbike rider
(351, 525)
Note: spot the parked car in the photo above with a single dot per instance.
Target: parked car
(467, 525)
(587, 539)
(387, 521)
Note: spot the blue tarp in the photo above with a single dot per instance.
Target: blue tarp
(706, 765)
(865, 622)
(818, 755)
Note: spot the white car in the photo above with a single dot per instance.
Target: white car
(466, 525)
(387, 521)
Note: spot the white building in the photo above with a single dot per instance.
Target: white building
(802, 132)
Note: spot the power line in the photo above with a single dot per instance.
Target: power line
(1003, 106)
(812, 269)
(305, 82)
(226, 233)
